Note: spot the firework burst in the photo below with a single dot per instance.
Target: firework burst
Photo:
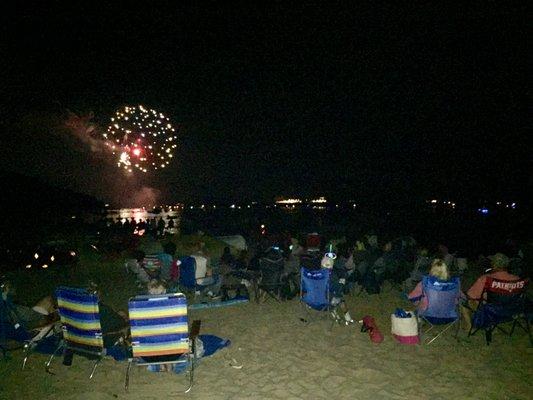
(141, 138)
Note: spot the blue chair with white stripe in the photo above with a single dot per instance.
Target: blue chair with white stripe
(80, 320)
(315, 291)
(443, 306)
(160, 332)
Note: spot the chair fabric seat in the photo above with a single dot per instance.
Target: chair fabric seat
(315, 288)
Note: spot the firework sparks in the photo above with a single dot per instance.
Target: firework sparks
(141, 138)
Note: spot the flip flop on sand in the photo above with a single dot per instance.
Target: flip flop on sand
(234, 364)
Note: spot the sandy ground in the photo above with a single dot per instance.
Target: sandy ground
(282, 358)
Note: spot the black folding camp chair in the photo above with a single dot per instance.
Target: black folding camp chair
(502, 302)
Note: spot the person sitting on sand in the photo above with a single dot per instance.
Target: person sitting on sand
(205, 275)
(156, 287)
(167, 260)
(134, 265)
(37, 320)
(227, 258)
(439, 270)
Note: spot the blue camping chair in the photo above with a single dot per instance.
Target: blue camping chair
(79, 314)
(314, 290)
(160, 332)
(187, 279)
(443, 306)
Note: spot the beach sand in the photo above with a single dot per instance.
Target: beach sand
(284, 358)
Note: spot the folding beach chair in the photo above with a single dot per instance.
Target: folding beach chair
(314, 291)
(443, 306)
(160, 332)
(270, 282)
(502, 302)
(80, 321)
(13, 328)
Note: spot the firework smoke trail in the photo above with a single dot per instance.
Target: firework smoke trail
(122, 189)
(86, 131)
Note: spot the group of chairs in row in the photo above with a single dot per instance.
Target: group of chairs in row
(501, 302)
(158, 334)
(159, 331)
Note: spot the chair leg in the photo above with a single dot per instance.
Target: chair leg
(127, 380)
(191, 372)
(440, 333)
(27, 351)
(94, 367)
(488, 335)
(47, 365)
(458, 328)
(515, 321)
(528, 327)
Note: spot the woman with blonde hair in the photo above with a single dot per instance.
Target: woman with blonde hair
(439, 270)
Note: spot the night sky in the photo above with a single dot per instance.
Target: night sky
(348, 101)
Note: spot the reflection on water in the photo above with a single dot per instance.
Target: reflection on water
(141, 214)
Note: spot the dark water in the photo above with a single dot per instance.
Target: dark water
(465, 231)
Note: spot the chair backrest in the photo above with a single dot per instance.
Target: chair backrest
(313, 241)
(271, 270)
(503, 292)
(314, 287)
(310, 260)
(442, 297)
(151, 261)
(187, 272)
(80, 318)
(159, 325)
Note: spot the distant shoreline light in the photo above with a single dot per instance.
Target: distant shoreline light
(289, 201)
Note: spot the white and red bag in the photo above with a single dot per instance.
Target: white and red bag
(405, 330)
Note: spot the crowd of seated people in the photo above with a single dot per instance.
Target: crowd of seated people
(364, 262)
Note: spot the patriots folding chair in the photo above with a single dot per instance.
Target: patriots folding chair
(160, 333)
(443, 307)
(501, 302)
(80, 321)
(314, 292)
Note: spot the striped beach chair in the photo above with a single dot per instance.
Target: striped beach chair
(160, 332)
(80, 320)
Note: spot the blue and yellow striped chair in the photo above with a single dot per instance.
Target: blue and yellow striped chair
(160, 332)
(80, 320)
